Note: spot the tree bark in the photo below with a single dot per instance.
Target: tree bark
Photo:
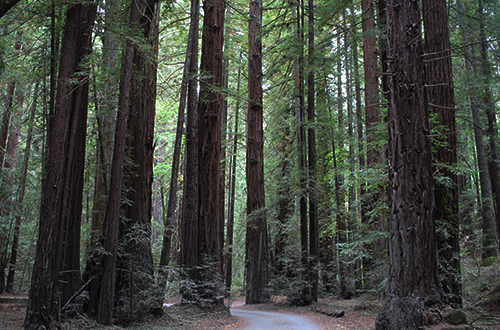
(413, 285)
(312, 158)
(189, 71)
(374, 156)
(190, 257)
(113, 205)
(305, 297)
(439, 97)
(256, 253)
(135, 276)
(56, 272)
(106, 119)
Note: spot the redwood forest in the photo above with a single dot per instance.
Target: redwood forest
(291, 153)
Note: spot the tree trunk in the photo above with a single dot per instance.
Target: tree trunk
(209, 240)
(135, 276)
(190, 257)
(256, 261)
(305, 295)
(439, 97)
(106, 118)
(56, 272)
(312, 158)
(374, 156)
(112, 216)
(188, 74)
(413, 286)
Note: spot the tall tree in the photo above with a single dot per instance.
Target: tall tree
(188, 75)
(113, 204)
(190, 258)
(106, 108)
(312, 158)
(135, 275)
(439, 97)
(374, 156)
(56, 272)
(305, 297)
(256, 260)
(413, 284)
(209, 240)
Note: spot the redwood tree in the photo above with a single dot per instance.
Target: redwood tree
(256, 240)
(439, 98)
(413, 286)
(56, 272)
(135, 275)
(113, 204)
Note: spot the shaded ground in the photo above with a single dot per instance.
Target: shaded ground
(360, 314)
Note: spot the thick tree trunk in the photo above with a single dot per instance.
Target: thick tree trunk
(189, 71)
(413, 286)
(112, 216)
(135, 277)
(209, 147)
(56, 272)
(257, 275)
(439, 97)
(106, 119)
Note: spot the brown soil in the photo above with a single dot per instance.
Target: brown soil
(360, 314)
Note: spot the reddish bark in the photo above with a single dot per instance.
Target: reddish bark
(56, 272)
(256, 260)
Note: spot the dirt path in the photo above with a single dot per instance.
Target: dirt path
(258, 320)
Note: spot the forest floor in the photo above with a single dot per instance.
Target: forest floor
(359, 314)
(481, 304)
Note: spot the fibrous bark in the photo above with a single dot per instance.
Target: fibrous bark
(413, 284)
(439, 98)
(56, 272)
(256, 239)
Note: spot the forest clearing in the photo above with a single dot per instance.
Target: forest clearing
(311, 163)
